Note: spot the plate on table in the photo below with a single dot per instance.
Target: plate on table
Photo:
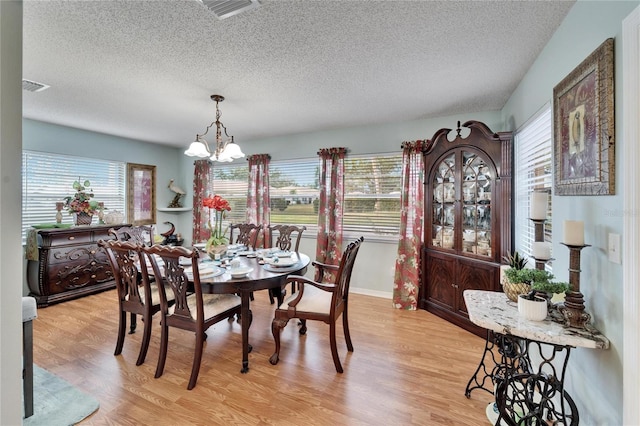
(208, 271)
(240, 272)
(246, 253)
(281, 262)
(184, 261)
(282, 253)
(200, 246)
(237, 247)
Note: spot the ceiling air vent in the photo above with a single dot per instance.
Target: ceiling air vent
(33, 86)
(226, 8)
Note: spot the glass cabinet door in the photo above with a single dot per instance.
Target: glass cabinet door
(443, 203)
(477, 184)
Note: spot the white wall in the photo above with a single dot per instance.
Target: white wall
(10, 213)
(595, 376)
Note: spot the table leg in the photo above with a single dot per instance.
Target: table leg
(245, 321)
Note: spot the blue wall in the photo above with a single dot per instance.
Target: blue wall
(595, 376)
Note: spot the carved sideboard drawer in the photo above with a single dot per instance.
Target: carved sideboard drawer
(70, 264)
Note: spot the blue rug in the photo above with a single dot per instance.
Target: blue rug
(56, 402)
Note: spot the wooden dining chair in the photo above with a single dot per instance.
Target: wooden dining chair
(247, 234)
(285, 241)
(135, 296)
(324, 302)
(136, 234)
(193, 310)
(286, 234)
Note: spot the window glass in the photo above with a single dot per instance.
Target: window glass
(47, 178)
(533, 165)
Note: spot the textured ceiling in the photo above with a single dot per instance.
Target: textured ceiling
(145, 69)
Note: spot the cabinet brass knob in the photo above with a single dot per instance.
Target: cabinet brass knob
(93, 263)
(93, 252)
(72, 238)
(93, 276)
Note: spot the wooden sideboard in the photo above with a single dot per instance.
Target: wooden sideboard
(70, 264)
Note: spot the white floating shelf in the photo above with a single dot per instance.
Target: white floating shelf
(174, 209)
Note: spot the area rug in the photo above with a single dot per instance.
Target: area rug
(56, 402)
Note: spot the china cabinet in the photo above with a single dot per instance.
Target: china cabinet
(467, 210)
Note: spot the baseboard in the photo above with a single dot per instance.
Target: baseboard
(374, 293)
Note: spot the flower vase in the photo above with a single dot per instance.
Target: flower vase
(217, 252)
(82, 218)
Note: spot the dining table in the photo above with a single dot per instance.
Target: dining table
(246, 273)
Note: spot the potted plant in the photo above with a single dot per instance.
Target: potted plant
(81, 204)
(535, 305)
(512, 281)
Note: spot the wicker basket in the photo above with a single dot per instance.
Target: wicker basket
(512, 290)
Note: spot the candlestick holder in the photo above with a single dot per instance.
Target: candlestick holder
(573, 309)
(101, 213)
(59, 206)
(538, 236)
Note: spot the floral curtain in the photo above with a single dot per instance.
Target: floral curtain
(201, 188)
(406, 281)
(330, 209)
(258, 200)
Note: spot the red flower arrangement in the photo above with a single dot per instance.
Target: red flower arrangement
(219, 206)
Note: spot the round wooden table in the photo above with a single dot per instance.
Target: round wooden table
(258, 279)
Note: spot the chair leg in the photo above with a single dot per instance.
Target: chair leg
(164, 341)
(197, 359)
(122, 326)
(146, 337)
(132, 327)
(303, 326)
(345, 326)
(276, 327)
(334, 347)
(27, 350)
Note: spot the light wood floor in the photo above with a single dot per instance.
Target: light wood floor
(408, 367)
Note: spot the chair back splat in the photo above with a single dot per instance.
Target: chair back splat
(193, 310)
(247, 234)
(319, 302)
(286, 233)
(135, 295)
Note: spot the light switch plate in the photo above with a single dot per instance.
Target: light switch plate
(614, 248)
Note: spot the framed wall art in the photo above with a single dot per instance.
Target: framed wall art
(583, 115)
(141, 194)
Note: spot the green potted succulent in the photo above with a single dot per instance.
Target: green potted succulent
(514, 271)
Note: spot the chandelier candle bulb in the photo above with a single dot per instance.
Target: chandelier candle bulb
(539, 202)
(573, 233)
(541, 250)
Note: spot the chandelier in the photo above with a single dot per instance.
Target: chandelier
(226, 150)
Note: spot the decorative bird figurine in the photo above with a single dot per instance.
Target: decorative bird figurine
(175, 203)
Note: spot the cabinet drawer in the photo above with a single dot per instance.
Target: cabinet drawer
(72, 275)
(80, 253)
(63, 239)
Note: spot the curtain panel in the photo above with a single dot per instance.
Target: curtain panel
(330, 209)
(201, 187)
(258, 199)
(406, 283)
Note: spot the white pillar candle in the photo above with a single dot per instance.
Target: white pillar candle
(573, 233)
(539, 202)
(541, 250)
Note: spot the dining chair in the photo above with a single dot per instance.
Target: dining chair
(286, 233)
(247, 234)
(317, 301)
(193, 310)
(285, 242)
(135, 295)
(136, 234)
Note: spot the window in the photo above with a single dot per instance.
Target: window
(48, 178)
(533, 147)
(230, 181)
(372, 192)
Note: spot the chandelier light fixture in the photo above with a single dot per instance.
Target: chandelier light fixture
(225, 150)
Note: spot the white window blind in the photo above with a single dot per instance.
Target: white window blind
(533, 166)
(372, 192)
(48, 178)
(230, 181)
